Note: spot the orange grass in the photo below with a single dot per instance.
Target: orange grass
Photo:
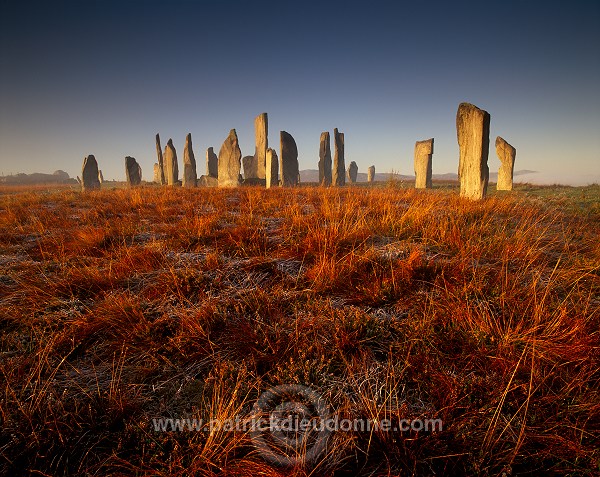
(120, 306)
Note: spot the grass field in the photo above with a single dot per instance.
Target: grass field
(120, 307)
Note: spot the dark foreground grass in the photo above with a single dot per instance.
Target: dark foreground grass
(124, 306)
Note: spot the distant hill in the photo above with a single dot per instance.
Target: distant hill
(312, 175)
(58, 177)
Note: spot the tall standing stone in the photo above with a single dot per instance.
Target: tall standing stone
(473, 133)
(89, 174)
(371, 174)
(161, 178)
(289, 170)
(261, 131)
(325, 160)
(190, 176)
(272, 169)
(423, 164)
(212, 163)
(506, 154)
(230, 156)
(172, 169)
(339, 165)
(352, 172)
(249, 166)
(133, 172)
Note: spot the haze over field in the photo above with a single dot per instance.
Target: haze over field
(102, 78)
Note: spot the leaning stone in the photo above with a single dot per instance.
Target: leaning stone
(133, 172)
(506, 154)
(189, 164)
(230, 156)
(325, 160)
(261, 132)
(162, 171)
(473, 133)
(89, 174)
(100, 176)
(423, 164)
(339, 166)
(352, 172)
(208, 181)
(371, 174)
(272, 169)
(212, 163)
(172, 175)
(288, 166)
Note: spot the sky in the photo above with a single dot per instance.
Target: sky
(101, 77)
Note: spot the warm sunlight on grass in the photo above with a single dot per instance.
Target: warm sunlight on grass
(120, 306)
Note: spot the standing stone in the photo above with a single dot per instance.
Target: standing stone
(212, 163)
(171, 167)
(89, 174)
(161, 178)
(473, 133)
(506, 154)
(289, 170)
(230, 156)
(352, 172)
(133, 172)
(339, 165)
(156, 177)
(100, 177)
(272, 169)
(249, 166)
(325, 160)
(190, 175)
(371, 174)
(423, 164)
(261, 132)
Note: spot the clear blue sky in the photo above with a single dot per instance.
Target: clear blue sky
(100, 77)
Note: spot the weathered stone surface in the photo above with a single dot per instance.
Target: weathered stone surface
(339, 165)
(261, 131)
(371, 174)
(272, 169)
(162, 171)
(212, 163)
(156, 176)
(100, 176)
(190, 175)
(249, 166)
(208, 181)
(423, 164)
(254, 181)
(288, 166)
(352, 172)
(89, 174)
(325, 160)
(171, 166)
(473, 133)
(507, 155)
(230, 157)
(133, 172)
